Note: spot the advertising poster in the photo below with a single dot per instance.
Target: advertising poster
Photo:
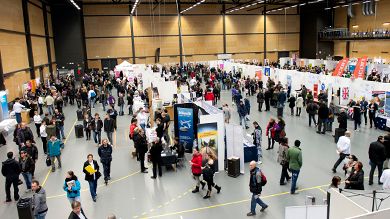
(344, 96)
(208, 139)
(267, 71)
(186, 127)
(387, 103)
(4, 105)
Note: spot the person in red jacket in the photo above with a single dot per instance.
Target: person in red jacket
(270, 133)
(209, 96)
(196, 168)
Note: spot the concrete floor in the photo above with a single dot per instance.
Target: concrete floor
(134, 195)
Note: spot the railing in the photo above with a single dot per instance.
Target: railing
(344, 34)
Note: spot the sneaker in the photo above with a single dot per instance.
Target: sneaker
(334, 170)
(263, 208)
(251, 214)
(153, 177)
(8, 200)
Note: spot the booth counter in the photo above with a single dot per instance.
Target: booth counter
(26, 116)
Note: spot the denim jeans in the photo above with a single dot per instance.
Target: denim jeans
(295, 174)
(50, 109)
(18, 117)
(41, 216)
(312, 117)
(97, 136)
(242, 118)
(62, 133)
(256, 200)
(143, 126)
(93, 187)
(71, 200)
(373, 167)
(27, 178)
(109, 136)
(121, 109)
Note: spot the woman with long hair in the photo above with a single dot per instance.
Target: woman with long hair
(72, 187)
(208, 171)
(270, 133)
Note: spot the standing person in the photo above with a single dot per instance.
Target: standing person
(91, 176)
(60, 118)
(26, 166)
(357, 116)
(267, 99)
(291, 104)
(363, 109)
(17, 108)
(282, 160)
(11, 171)
(40, 104)
(105, 154)
(343, 149)
(166, 119)
(39, 201)
(242, 113)
(87, 123)
(299, 105)
(294, 158)
(311, 109)
(37, 121)
(376, 153)
(77, 211)
(257, 133)
(323, 114)
(54, 151)
(121, 104)
(196, 168)
(130, 101)
(270, 133)
(226, 113)
(208, 174)
(113, 114)
(155, 156)
(260, 99)
(255, 187)
(141, 147)
(336, 181)
(42, 131)
(24, 134)
(386, 143)
(72, 187)
(247, 106)
(142, 118)
(49, 100)
(32, 151)
(91, 97)
(385, 179)
(97, 126)
(342, 119)
(372, 108)
(356, 179)
(109, 127)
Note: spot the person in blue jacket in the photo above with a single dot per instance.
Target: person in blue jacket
(54, 151)
(242, 113)
(72, 187)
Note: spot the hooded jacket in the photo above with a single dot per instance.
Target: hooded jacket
(75, 189)
(196, 167)
(10, 169)
(105, 153)
(39, 201)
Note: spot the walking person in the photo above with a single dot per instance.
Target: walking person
(54, 152)
(87, 124)
(27, 167)
(294, 158)
(196, 169)
(256, 187)
(247, 106)
(311, 109)
(299, 105)
(105, 154)
(257, 133)
(282, 160)
(11, 171)
(17, 108)
(363, 109)
(343, 149)
(72, 187)
(40, 104)
(37, 122)
(96, 126)
(141, 147)
(32, 151)
(39, 201)
(155, 156)
(270, 133)
(242, 114)
(60, 118)
(92, 174)
(376, 153)
(342, 119)
(260, 99)
(267, 99)
(77, 211)
(121, 104)
(357, 116)
(372, 108)
(208, 171)
(291, 102)
(109, 127)
(323, 114)
(226, 113)
(42, 131)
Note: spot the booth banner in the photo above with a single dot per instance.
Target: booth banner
(360, 68)
(339, 70)
(186, 126)
(344, 100)
(4, 105)
(267, 71)
(208, 138)
(387, 104)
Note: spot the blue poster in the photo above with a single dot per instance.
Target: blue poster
(3, 106)
(186, 127)
(351, 68)
(387, 104)
(267, 71)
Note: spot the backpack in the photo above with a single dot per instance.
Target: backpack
(263, 179)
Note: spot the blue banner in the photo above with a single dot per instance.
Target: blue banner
(4, 105)
(185, 124)
(387, 104)
(267, 71)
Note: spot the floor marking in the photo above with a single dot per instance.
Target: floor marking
(114, 140)
(67, 137)
(323, 191)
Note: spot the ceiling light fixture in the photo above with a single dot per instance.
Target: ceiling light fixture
(386, 24)
(134, 6)
(242, 7)
(193, 6)
(75, 4)
(355, 26)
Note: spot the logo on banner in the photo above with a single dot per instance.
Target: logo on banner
(339, 70)
(360, 68)
(345, 93)
(267, 71)
(322, 86)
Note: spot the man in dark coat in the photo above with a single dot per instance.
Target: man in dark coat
(77, 211)
(105, 154)
(141, 146)
(267, 99)
(260, 99)
(387, 151)
(23, 135)
(255, 187)
(342, 119)
(11, 171)
(109, 127)
(376, 153)
(323, 114)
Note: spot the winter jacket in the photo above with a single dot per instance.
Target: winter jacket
(376, 152)
(294, 158)
(89, 177)
(196, 167)
(311, 108)
(242, 110)
(323, 112)
(140, 143)
(75, 189)
(31, 151)
(28, 164)
(23, 135)
(155, 152)
(342, 119)
(282, 154)
(356, 181)
(73, 215)
(108, 125)
(54, 148)
(257, 136)
(271, 129)
(299, 102)
(208, 172)
(247, 105)
(105, 153)
(387, 145)
(255, 181)
(291, 101)
(39, 201)
(97, 126)
(209, 96)
(10, 169)
(260, 97)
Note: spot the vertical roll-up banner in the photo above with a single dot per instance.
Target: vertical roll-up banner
(208, 139)
(4, 105)
(339, 70)
(186, 127)
(360, 68)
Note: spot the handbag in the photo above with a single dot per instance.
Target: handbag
(98, 175)
(48, 161)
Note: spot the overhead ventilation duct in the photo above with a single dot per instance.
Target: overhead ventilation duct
(368, 7)
(349, 10)
(372, 7)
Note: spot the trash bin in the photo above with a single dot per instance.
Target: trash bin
(24, 207)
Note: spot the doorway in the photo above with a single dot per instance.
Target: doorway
(109, 64)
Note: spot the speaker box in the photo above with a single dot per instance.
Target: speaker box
(233, 167)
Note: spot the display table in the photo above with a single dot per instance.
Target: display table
(25, 116)
(168, 157)
(250, 152)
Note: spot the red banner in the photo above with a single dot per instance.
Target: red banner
(360, 68)
(339, 70)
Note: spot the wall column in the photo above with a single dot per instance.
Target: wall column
(180, 35)
(224, 27)
(265, 30)
(132, 35)
(28, 38)
(2, 86)
(47, 38)
(348, 43)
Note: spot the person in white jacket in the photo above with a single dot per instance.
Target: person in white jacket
(42, 131)
(385, 179)
(37, 121)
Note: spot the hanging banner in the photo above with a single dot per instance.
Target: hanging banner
(360, 68)
(208, 139)
(186, 127)
(315, 91)
(339, 70)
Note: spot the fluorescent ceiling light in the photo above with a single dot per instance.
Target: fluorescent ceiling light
(386, 24)
(193, 6)
(75, 4)
(355, 26)
(135, 6)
